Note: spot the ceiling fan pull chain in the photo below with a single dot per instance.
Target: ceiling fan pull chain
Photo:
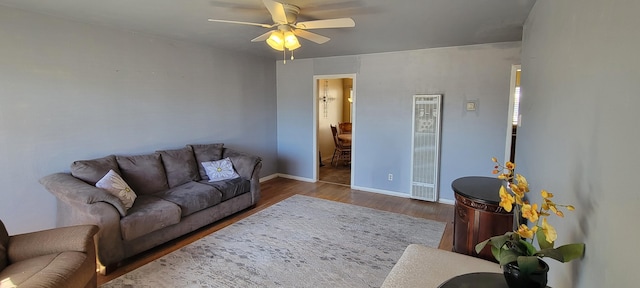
(291, 54)
(284, 56)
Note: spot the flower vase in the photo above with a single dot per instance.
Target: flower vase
(514, 278)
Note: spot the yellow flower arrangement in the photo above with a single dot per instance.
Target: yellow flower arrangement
(518, 246)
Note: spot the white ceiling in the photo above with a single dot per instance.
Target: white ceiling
(381, 25)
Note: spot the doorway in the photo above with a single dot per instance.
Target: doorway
(334, 100)
(514, 114)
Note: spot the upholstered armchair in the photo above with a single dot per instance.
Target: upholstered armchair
(60, 257)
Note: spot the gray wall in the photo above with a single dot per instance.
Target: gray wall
(580, 136)
(295, 118)
(74, 91)
(385, 84)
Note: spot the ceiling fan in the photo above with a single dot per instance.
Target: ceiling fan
(284, 17)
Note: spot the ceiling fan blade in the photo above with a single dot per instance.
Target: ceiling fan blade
(311, 36)
(262, 37)
(327, 23)
(240, 22)
(277, 11)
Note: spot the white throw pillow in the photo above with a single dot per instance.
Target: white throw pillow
(220, 170)
(113, 183)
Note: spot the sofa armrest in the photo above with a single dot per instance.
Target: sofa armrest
(255, 183)
(422, 266)
(81, 203)
(244, 163)
(108, 240)
(34, 244)
(248, 166)
(77, 192)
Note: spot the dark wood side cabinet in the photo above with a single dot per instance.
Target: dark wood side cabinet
(478, 215)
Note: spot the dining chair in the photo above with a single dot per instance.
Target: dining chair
(344, 128)
(342, 151)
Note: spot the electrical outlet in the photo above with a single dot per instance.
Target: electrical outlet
(390, 177)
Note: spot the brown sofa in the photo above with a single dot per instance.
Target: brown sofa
(174, 197)
(61, 257)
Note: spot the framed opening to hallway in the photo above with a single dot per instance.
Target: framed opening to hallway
(334, 102)
(513, 118)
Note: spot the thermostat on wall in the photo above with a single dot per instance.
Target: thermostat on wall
(472, 105)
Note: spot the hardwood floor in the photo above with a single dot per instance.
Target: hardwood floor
(278, 189)
(338, 174)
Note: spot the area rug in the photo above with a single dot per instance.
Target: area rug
(298, 242)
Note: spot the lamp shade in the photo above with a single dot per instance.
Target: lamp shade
(291, 41)
(276, 40)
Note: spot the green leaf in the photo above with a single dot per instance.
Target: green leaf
(551, 253)
(527, 264)
(520, 246)
(529, 248)
(542, 240)
(496, 253)
(572, 251)
(564, 253)
(496, 241)
(507, 256)
(481, 245)
(499, 241)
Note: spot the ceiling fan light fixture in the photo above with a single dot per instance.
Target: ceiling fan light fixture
(276, 40)
(288, 29)
(285, 20)
(291, 41)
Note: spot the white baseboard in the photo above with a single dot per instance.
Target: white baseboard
(397, 194)
(365, 189)
(265, 178)
(447, 201)
(297, 178)
(380, 191)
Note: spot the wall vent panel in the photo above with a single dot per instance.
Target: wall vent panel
(425, 147)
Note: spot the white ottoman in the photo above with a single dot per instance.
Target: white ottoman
(422, 266)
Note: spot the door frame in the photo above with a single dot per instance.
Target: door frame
(512, 100)
(316, 107)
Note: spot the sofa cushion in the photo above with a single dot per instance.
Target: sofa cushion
(116, 186)
(91, 171)
(144, 173)
(206, 153)
(192, 197)
(148, 214)
(52, 270)
(180, 166)
(230, 188)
